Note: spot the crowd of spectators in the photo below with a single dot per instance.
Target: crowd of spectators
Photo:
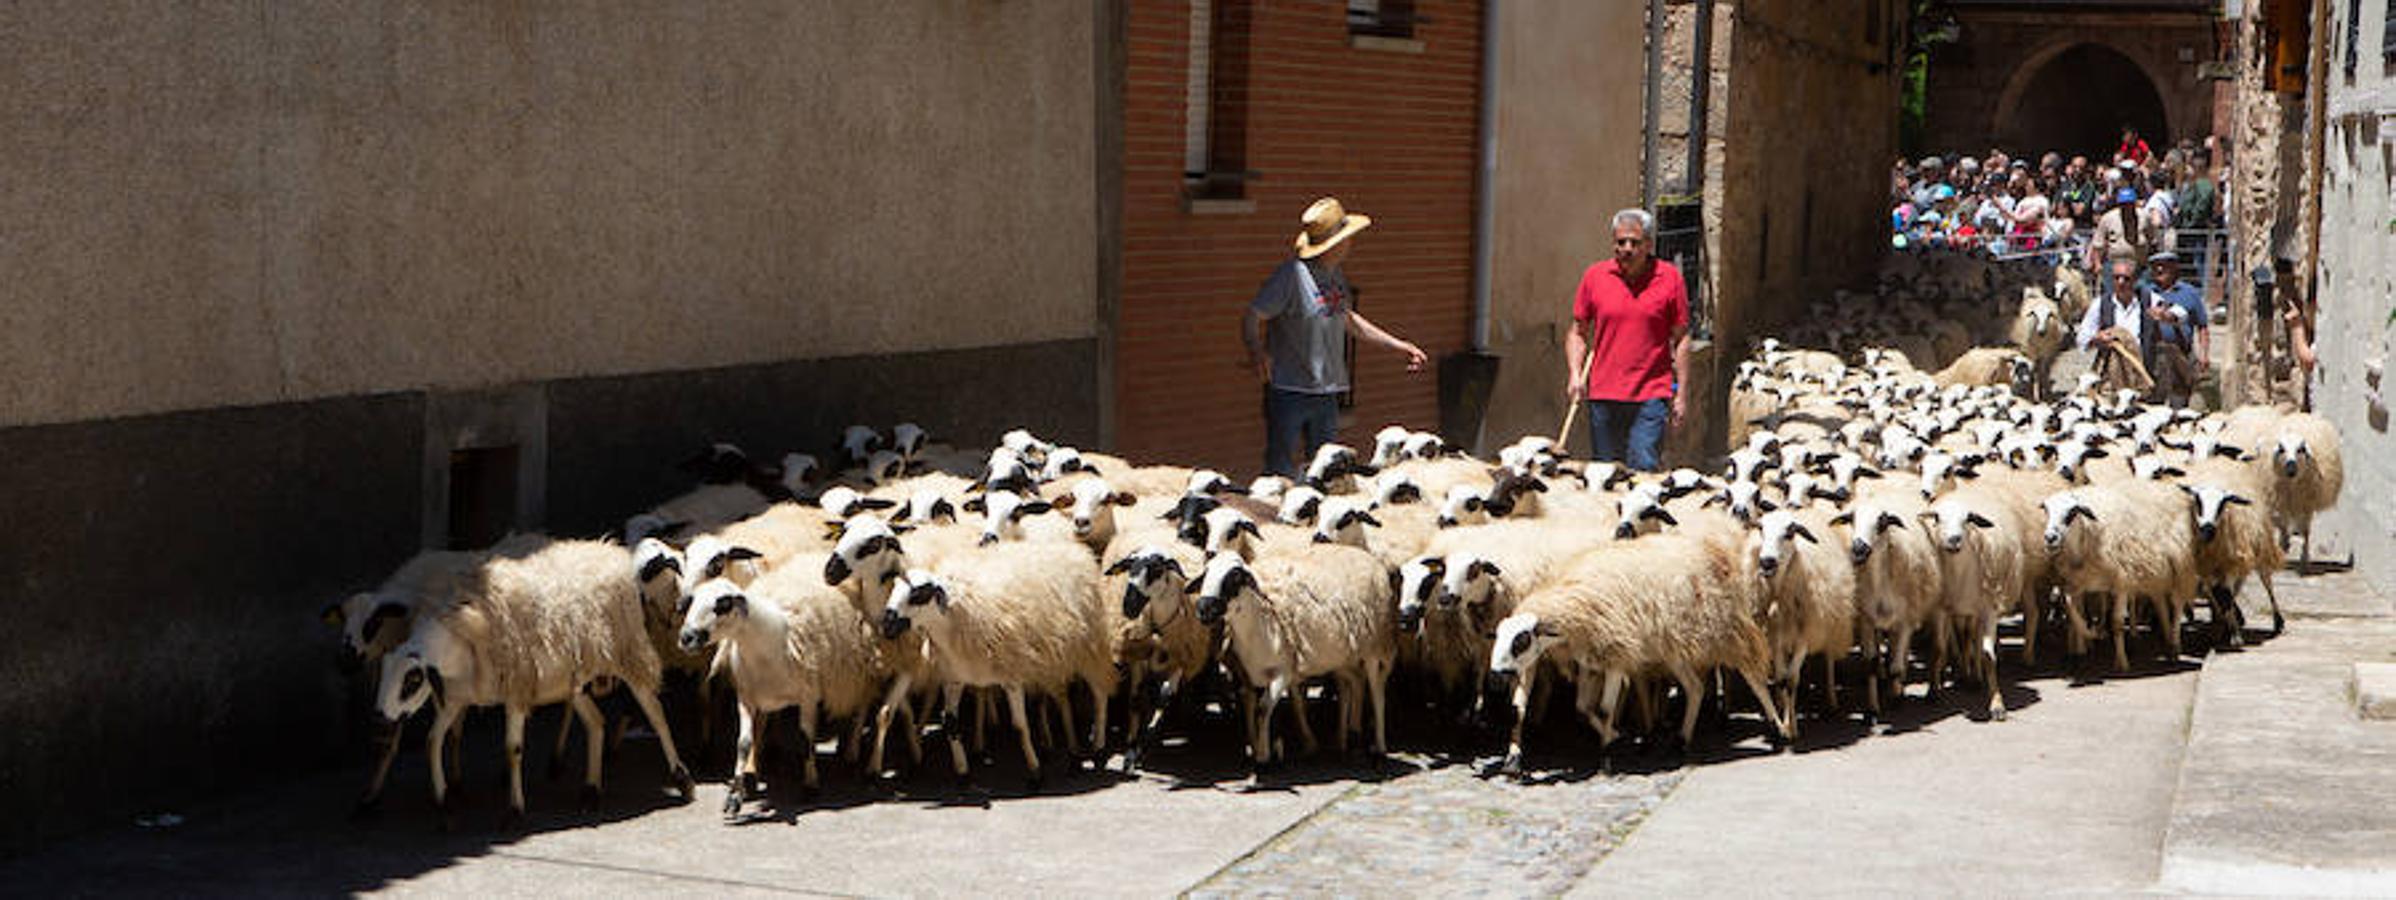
(2132, 205)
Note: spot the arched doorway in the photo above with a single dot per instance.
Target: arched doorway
(2076, 102)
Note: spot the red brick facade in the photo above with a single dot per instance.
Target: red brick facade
(1391, 133)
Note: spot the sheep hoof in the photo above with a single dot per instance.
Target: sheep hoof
(512, 820)
(1131, 759)
(1996, 713)
(683, 783)
(589, 798)
(2278, 623)
(1511, 767)
(1033, 780)
(732, 801)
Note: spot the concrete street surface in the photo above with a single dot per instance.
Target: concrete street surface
(2247, 773)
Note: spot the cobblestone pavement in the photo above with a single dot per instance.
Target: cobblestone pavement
(1450, 830)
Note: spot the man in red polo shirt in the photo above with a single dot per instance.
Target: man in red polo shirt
(1634, 311)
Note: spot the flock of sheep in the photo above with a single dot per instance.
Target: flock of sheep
(1871, 513)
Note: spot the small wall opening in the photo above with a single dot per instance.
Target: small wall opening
(482, 496)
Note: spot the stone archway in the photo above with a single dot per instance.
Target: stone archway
(2074, 96)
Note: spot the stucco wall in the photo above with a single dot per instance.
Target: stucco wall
(2358, 298)
(1568, 121)
(250, 202)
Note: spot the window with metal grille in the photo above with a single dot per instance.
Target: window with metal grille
(2387, 34)
(1215, 134)
(1382, 18)
(2354, 36)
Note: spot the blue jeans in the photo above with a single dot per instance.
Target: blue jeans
(1629, 431)
(1295, 424)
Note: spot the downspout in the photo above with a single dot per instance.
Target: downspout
(1649, 167)
(1485, 188)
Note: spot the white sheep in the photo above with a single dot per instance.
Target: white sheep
(786, 641)
(1160, 635)
(1982, 545)
(525, 631)
(1667, 604)
(1897, 581)
(2234, 539)
(1807, 589)
(2124, 541)
(1316, 610)
(2310, 471)
(1017, 616)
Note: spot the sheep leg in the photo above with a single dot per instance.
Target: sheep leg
(1900, 653)
(587, 712)
(1349, 708)
(515, 766)
(1938, 650)
(1098, 705)
(2168, 616)
(2075, 621)
(676, 772)
(1376, 685)
(1064, 701)
(849, 746)
(2031, 607)
(1136, 745)
(1275, 689)
(891, 699)
(807, 780)
(1031, 757)
(1988, 658)
(952, 695)
(744, 763)
(386, 744)
(456, 737)
(1609, 700)
(436, 740)
(1763, 698)
(985, 708)
(1693, 689)
(2119, 610)
(2278, 623)
(1294, 691)
(1830, 682)
(1522, 708)
(1868, 641)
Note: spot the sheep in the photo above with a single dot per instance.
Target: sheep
(1015, 616)
(530, 630)
(373, 622)
(1464, 505)
(1397, 533)
(1003, 516)
(1091, 506)
(2309, 470)
(1269, 488)
(1988, 366)
(1440, 476)
(1808, 595)
(2233, 539)
(1981, 544)
(2134, 539)
(1334, 468)
(1299, 505)
(2041, 333)
(1320, 609)
(785, 641)
(1389, 445)
(1395, 488)
(704, 508)
(1425, 445)
(858, 442)
(926, 507)
(1160, 634)
(1672, 605)
(1897, 581)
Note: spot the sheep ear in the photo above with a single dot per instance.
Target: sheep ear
(1174, 566)
(731, 603)
(1472, 504)
(832, 529)
(2236, 500)
(1119, 566)
(1032, 508)
(976, 505)
(876, 503)
(1804, 532)
(1766, 504)
(2079, 512)
(1978, 520)
(1249, 527)
(1485, 567)
(2172, 472)
(1122, 498)
(383, 614)
(737, 554)
(1716, 500)
(1367, 518)
(1844, 518)
(658, 565)
(1868, 472)
(2096, 453)
(1659, 513)
(1965, 474)
(1546, 630)
(1538, 485)
(899, 529)
(1170, 515)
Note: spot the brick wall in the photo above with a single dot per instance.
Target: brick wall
(1390, 132)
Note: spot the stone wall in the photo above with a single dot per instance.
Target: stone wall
(2357, 312)
(1978, 85)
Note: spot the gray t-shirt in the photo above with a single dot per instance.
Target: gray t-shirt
(1306, 306)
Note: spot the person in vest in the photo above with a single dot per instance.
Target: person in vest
(2115, 321)
(1297, 331)
(2180, 341)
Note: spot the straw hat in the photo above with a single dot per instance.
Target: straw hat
(1327, 224)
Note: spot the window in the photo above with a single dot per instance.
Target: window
(2387, 34)
(2354, 36)
(1381, 18)
(1215, 136)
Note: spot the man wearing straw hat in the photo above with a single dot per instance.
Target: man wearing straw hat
(1629, 346)
(1296, 331)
